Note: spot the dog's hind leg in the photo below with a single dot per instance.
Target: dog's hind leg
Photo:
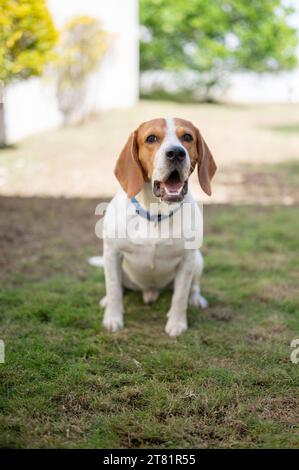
(195, 298)
(150, 295)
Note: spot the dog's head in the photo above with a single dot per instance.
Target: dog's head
(165, 152)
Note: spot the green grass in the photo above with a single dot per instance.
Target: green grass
(227, 382)
(287, 128)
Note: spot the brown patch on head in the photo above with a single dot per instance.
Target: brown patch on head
(147, 151)
(183, 127)
(136, 160)
(199, 153)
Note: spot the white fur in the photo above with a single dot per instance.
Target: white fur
(161, 169)
(150, 264)
(97, 261)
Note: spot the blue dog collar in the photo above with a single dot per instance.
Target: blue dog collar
(151, 217)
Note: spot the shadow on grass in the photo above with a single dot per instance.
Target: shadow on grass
(8, 147)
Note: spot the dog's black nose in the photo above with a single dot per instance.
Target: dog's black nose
(176, 153)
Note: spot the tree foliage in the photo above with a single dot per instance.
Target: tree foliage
(82, 45)
(27, 38)
(204, 35)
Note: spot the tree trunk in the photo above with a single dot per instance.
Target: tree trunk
(2, 126)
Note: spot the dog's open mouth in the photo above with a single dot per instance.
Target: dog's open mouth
(173, 189)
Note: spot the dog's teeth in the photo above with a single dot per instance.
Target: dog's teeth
(176, 192)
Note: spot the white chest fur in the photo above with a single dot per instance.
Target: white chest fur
(151, 251)
(153, 262)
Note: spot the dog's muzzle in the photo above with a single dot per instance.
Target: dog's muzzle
(173, 189)
(174, 186)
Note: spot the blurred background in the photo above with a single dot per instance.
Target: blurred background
(78, 76)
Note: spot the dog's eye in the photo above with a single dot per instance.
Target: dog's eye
(151, 139)
(187, 138)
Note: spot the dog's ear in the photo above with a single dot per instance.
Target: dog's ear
(128, 169)
(206, 166)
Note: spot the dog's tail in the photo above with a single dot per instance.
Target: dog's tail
(97, 261)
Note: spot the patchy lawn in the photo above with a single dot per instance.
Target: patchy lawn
(227, 382)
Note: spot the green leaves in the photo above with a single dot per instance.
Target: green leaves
(198, 34)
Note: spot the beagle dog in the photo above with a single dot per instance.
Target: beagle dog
(153, 170)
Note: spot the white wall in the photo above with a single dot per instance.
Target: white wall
(246, 87)
(31, 106)
(263, 88)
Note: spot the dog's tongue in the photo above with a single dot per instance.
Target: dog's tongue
(172, 186)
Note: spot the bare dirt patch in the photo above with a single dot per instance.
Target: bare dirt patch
(279, 409)
(39, 236)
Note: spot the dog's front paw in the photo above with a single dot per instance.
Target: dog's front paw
(175, 327)
(113, 320)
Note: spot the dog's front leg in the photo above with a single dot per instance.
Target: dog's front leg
(113, 316)
(177, 315)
